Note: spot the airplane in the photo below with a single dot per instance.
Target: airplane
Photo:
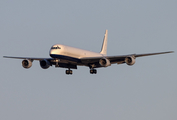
(69, 57)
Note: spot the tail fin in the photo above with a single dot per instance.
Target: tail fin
(104, 46)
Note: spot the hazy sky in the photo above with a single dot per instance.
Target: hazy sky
(144, 91)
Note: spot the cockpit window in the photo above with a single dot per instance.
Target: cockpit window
(56, 47)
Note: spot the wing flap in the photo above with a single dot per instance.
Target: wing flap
(113, 59)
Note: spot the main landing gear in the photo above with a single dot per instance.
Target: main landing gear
(93, 71)
(69, 72)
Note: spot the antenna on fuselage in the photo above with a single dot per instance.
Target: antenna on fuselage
(104, 45)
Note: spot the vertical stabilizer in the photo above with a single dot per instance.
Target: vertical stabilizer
(104, 46)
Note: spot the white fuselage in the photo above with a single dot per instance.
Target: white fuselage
(59, 51)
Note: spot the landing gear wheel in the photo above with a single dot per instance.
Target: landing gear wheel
(69, 72)
(93, 71)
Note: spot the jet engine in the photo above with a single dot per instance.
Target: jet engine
(104, 62)
(130, 60)
(44, 64)
(26, 63)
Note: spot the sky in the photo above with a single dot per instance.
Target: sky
(147, 90)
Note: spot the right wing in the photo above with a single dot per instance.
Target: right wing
(30, 58)
(52, 61)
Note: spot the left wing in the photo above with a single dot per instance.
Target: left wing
(118, 59)
(121, 59)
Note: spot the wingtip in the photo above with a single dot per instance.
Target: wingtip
(6, 56)
(171, 51)
(106, 31)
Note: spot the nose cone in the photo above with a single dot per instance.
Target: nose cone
(55, 50)
(52, 52)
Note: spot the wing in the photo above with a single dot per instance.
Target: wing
(121, 59)
(118, 59)
(62, 63)
(93, 60)
(31, 58)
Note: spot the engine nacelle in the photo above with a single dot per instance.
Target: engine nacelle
(44, 64)
(130, 60)
(104, 62)
(26, 63)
